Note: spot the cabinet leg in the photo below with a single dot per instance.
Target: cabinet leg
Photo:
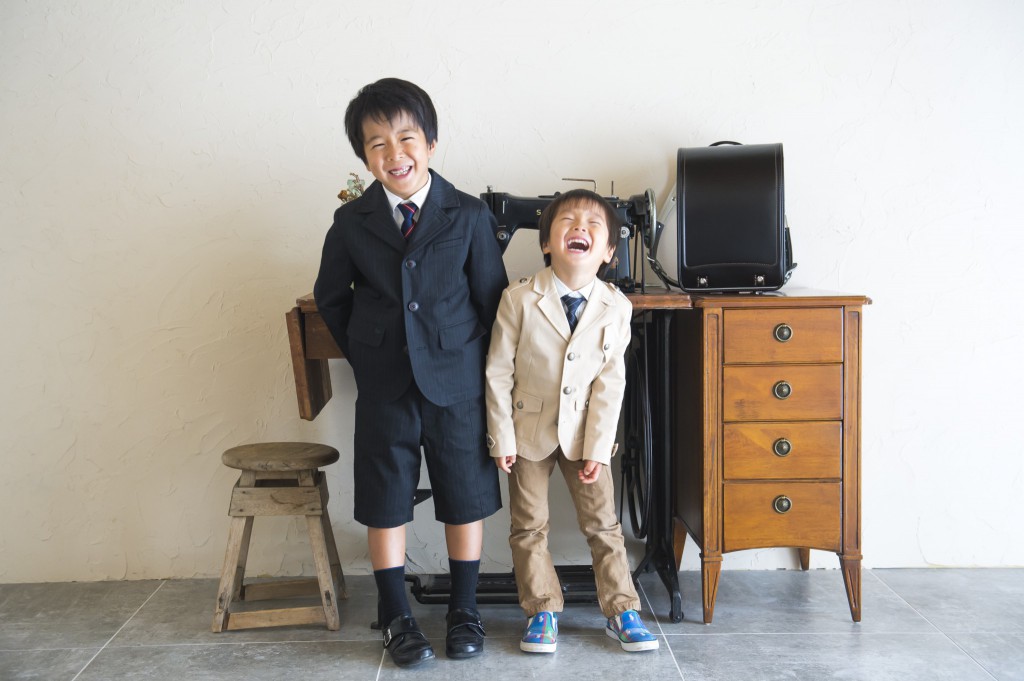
(710, 568)
(851, 578)
(805, 559)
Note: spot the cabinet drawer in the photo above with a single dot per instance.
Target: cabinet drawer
(811, 521)
(783, 335)
(783, 451)
(749, 393)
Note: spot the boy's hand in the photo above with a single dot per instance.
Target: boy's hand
(591, 472)
(505, 462)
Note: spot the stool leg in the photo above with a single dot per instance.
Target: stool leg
(332, 555)
(323, 571)
(232, 573)
(318, 541)
(243, 556)
(332, 547)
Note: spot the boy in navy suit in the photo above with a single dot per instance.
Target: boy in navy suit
(409, 284)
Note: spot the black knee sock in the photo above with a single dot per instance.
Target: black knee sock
(464, 579)
(391, 591)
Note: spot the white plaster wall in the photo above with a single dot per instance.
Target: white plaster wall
(168, 170)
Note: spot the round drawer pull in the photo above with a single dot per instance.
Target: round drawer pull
(782, 504)
(782, 447)
(783, 332)
(782, 390)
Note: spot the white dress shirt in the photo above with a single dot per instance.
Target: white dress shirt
(418, 198)
(583, 292)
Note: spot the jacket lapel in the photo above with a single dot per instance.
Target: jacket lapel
(597, 304)
(434, 216)
(550, 303)
(377, 221)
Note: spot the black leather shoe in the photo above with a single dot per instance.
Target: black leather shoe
(406, 643)
(465, 634)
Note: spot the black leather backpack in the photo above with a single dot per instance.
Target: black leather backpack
(732, 231)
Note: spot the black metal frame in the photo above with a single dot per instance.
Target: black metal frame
(659, 554)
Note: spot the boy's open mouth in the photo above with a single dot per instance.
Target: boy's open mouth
(577, 245)
(401, 172)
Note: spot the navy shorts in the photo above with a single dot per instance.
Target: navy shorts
(386, 460)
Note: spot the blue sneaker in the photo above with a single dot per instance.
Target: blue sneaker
(541, 634)
(631, 633)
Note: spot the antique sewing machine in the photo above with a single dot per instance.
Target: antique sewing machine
(638, 228)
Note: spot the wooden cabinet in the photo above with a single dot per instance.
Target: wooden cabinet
(767, 428)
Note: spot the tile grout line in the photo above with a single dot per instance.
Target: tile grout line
(657, 621)
(119, 629)
(932, 624)
(380, 665)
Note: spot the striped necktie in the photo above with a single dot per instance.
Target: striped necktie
(408, 211)
(572, 307)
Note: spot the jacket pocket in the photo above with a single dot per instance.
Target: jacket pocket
(447, 243)
(526, 410)
(609, 338)
(581, 410)
(367, 334)
(457, 335)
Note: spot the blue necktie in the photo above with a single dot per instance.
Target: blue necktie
(572, 307)
(408, 211)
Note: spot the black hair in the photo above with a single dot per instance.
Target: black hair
(576, 197)
(385, 100)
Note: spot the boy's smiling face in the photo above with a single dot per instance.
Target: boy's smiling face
(579, 243)
(397, 154)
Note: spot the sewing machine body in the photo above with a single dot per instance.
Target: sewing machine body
(636, 214)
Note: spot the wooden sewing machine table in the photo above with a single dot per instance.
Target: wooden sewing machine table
(753, 408)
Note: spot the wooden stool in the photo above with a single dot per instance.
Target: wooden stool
(280, 478)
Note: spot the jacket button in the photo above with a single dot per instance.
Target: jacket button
(567, 390)
(519, 404)
(572, 356)
(607, 346)
(587, 403)
(405, 349)
(413, 306)
(409, 264)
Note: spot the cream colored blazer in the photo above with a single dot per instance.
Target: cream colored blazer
(548, 388)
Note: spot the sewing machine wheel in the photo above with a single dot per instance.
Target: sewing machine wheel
(637, 460)
(651, 206)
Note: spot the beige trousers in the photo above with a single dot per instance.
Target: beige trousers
(536, 580)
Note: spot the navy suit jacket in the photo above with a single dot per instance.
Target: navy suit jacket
(418, 310)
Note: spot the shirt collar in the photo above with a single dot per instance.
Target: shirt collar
(584, 292)
(418, 198)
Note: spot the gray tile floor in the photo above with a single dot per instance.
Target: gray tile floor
(918, 624)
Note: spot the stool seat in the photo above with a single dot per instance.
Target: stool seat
(279, 456)
(279, 479)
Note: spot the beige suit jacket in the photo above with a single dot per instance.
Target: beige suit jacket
(548, 388)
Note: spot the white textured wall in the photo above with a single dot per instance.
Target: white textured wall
(168, 171)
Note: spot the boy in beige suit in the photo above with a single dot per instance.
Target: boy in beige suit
(555, 381)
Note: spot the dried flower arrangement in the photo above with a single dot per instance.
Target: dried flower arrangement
(353, 190)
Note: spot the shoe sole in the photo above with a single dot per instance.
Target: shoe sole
(635, 646)
(537, 647)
